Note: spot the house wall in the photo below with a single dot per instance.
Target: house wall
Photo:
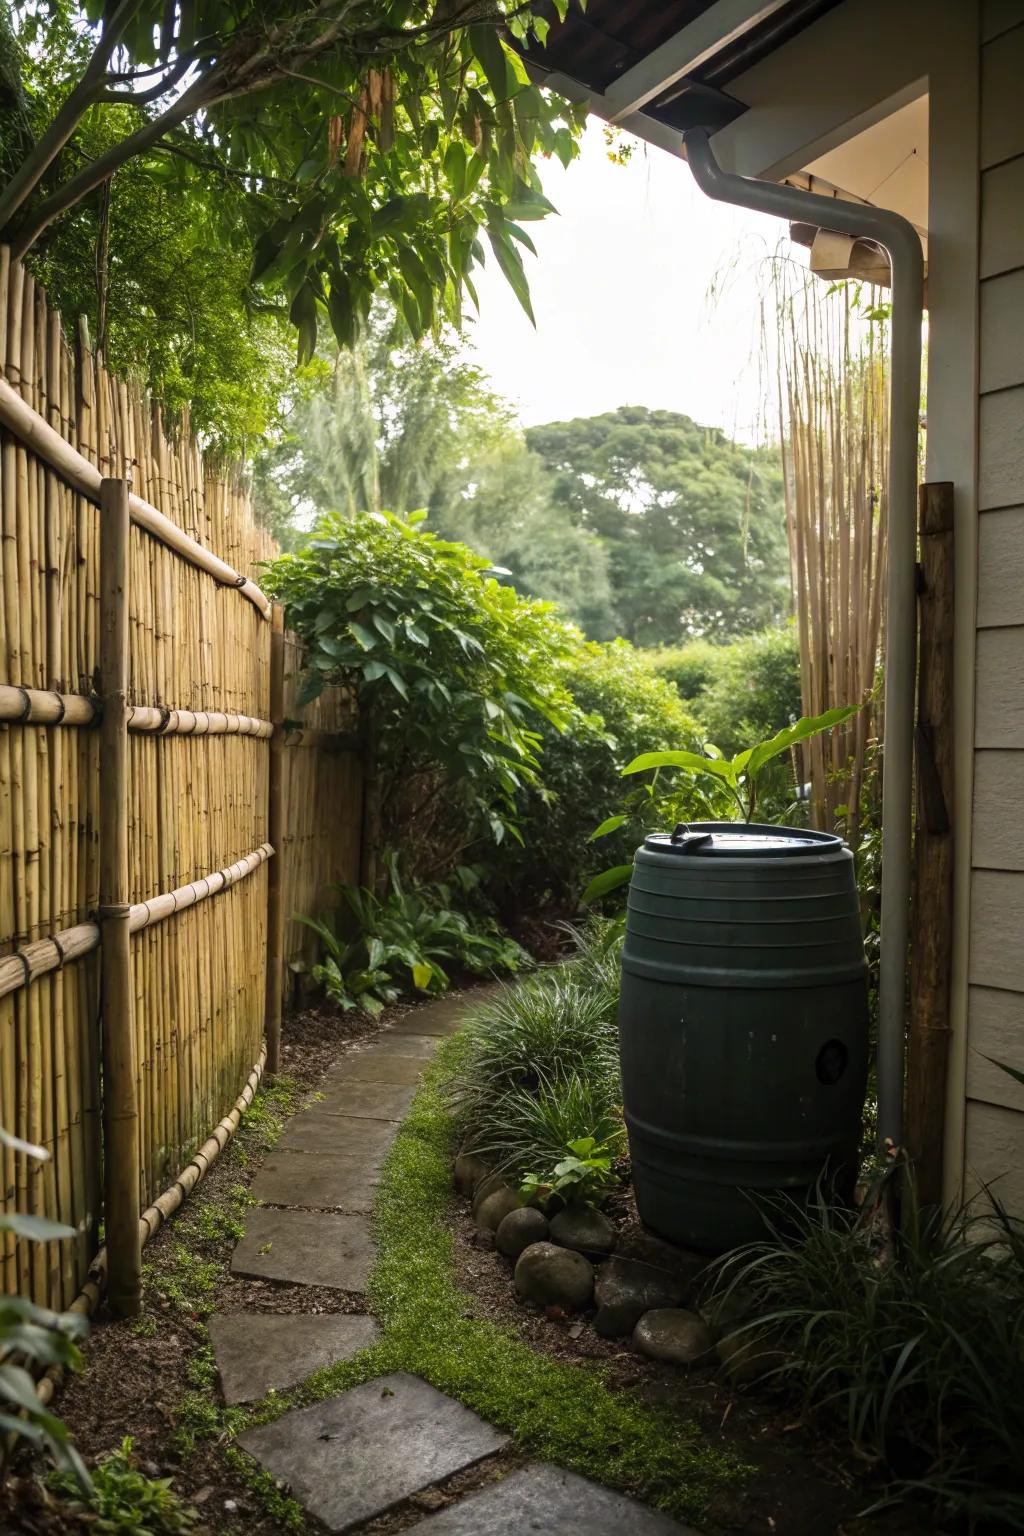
(833, 80)
(993, 1139)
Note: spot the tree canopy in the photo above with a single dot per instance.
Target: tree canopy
(340, 150)
(692, 522)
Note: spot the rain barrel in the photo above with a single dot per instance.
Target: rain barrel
(743, 1025)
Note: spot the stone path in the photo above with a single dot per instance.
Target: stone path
(355, 1456)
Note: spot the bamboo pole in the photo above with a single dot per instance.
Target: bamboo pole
(35, 433)
(153, 1218)
(931, 917)
(120, 1093)
(275, 881)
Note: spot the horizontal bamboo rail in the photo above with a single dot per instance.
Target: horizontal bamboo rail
(25, 965)
(43, 706)
(153, 1218)
(47, 444)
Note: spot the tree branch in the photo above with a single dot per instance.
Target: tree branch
(35, 165)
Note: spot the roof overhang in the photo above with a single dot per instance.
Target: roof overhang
(658, 67)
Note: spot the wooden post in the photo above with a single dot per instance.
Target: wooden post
(275, 831)
(120, 1089)
(931, 933)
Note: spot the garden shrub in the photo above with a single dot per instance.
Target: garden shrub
(620, 709)
(455, 674)
(740, 692)
(540, 1068)
(915, 1355)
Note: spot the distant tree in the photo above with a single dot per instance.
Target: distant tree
(692, 522)
(503, 505)
(381, 426)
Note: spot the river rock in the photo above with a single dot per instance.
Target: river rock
(672, 1334)
(585, 1229)
(723, 1313)
(748, 1353)
(491, 1212)
(554, 1276)
(520, 1229)
(488, 1185)
(637, 1242)
(470, 1170)
(626, 1289)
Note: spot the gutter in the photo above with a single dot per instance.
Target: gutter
(899, 238)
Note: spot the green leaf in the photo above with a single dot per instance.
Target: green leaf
(494, 61)
(422, 975)
(610, 880)
(1003, 1066)
(511, 264)
(752, 761)
(303, 315)
(692, 761)
(361, 635)
(36, 1228)
(610, 824)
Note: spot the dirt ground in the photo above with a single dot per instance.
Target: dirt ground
(151, 1377)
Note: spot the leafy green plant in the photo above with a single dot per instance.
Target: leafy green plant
(405, 939)
(454, 674)
(917, 1357)
(31, 1340)
(729, 783)
(540, 1069)
(123, 1501)
(585, 1175)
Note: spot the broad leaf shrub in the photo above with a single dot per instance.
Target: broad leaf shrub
(123, 1501)
(455, 673)
(31, 1340)
(411, 939)
(917, 1357)
(744, 690)
(618, 710)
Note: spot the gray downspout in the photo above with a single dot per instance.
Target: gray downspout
(899, 238)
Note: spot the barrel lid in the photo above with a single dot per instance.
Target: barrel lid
(737, 839)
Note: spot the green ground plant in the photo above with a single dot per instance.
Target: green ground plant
(915, 1356)
(412, 938)
(541, 1071)
(32, 1339)
(123, 1501)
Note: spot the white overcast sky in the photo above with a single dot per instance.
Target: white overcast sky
(620, 292)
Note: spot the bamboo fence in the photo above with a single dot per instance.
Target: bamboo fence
(199, 718)
(832, 383)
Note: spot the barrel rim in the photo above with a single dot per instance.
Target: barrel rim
(807, 842)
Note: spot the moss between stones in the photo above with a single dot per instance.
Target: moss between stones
(566, 1413)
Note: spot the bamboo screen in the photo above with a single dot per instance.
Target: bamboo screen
(197, 794)
(321, 777)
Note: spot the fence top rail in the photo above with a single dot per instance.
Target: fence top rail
(36, 433)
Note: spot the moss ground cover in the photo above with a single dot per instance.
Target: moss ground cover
(563, 1412)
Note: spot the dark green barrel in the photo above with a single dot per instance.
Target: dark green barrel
(743, 1025)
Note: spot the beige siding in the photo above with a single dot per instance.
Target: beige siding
(1001, 568)
(992, 1154)
(994, 1124)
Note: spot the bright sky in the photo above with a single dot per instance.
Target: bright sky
(620, 291)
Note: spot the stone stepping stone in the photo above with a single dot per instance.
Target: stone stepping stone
(441, 1018)
(357, 1455)
(314, 1130)
(420, 1046)
(306, 1248)
(323, 1181)
(548, 1502)
(258, 1351)
(375, 1066)
(366, 1101)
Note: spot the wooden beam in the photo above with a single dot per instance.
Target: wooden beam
(931, 931)
(122, 1182)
